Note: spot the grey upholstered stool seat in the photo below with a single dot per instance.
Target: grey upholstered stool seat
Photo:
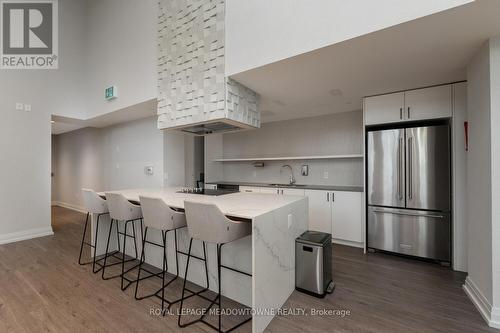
(207, 223)
(122, 210)
(94, 204)
(159, 216)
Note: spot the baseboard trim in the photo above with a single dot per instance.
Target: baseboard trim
(490, 314)
(495, 317)
(25, 234)
(69, 206)
(348, 243)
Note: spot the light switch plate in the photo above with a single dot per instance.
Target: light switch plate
(304, 170)
(148, 170)
(325, 175)
(19, 106)
(290, 220)
(27, 107)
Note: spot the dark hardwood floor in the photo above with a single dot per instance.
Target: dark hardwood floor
(42, 288)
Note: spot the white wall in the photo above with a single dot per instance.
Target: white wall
(334, 134)
(459, 176)
(483, 183)
(109, 158)
(254, 27)
(495, 173)
(174, 158)
(213, 150)
(100, 43)
(25, 141)
(479, 172)
(121, 51)
(77, 163)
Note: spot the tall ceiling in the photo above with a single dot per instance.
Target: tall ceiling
(138, 111)
(431, 50)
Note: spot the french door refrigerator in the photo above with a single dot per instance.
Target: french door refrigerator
(408, 189)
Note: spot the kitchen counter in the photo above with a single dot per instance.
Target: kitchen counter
(306, 187)
(268, 254)
(241, 205)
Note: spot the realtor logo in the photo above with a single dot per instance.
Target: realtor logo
(29, 34)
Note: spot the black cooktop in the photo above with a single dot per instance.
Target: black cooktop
(202, 191)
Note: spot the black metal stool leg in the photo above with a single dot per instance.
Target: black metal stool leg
(219, 247)
(135, 240)
(217, 300)
(83, 240)
(176, 254)
(142, 230)
(161, 275)
(184, 286)
(164, 268)
(206, 265)
(143, 259)
(123, 255)
(95, 245)
(118, 236)
(107, 248)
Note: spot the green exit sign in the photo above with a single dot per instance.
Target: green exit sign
(111, 93)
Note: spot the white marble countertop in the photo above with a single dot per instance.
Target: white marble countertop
(240, 205)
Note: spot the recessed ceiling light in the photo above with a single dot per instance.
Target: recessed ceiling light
(335, 92)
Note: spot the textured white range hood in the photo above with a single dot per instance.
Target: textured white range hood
(194, 94)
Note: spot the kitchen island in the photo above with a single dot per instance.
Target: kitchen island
(268, 254)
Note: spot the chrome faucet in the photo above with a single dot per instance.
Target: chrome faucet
(292, 180)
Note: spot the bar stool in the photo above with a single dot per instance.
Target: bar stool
(94, 204)
(122, 210)
(207, 223)
(159, 216)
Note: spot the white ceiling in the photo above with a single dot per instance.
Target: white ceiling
(431, 50)
(134, 112)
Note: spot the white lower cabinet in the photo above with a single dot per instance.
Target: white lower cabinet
(270, 190)
(273, 190)
(291, 191)
(320, 211)
(338, 213)
(347, 216)
(250, 189)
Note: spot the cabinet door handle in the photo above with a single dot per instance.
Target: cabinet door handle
(401, 113)
(409, 113)
(327, 196)
(333, 196)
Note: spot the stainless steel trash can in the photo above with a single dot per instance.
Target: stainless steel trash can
(313, 263)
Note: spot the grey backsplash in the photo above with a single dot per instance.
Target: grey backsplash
(335, 134)
(340, 172)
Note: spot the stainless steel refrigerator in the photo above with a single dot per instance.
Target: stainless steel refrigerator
(408, 189)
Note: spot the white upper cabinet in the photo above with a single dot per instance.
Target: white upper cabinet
(384, 109)
(428, 103)
(418, 104)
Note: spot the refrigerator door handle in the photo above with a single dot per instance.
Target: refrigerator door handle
(400, 169)
(408, 214)
(410, 167)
